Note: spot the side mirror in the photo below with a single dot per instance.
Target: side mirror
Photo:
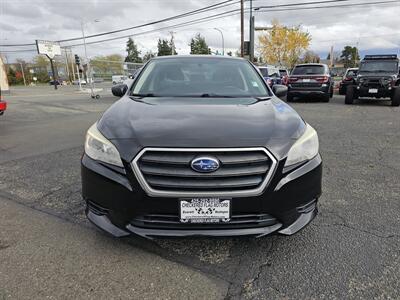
(280, 90)
(119, 90)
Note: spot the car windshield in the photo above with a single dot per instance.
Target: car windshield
(264, 71)
(283, 72)
(199, 77)
(309, 70)
(379, 66)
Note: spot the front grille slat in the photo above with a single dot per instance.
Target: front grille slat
(204, 183)
(184, 171)
(165, 171)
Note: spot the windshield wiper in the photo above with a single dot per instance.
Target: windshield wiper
(211, 95)
(142, 95)
(262, 98)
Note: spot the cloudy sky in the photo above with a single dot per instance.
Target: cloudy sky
(373, 28)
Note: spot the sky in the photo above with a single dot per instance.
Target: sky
(373, 28)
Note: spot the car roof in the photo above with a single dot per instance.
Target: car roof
(312, 64)
(197, 56)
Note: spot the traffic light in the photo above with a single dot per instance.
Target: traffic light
(77, 60)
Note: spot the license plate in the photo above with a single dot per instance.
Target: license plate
(306, 80)
(373, 91)
(205, 210)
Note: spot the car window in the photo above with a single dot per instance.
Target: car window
(309, 70)
(264, 72)
(351, 73)
(378, 66)
(283, 72)
(198, 77)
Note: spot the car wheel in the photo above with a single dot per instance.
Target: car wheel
(349, 99)
(331, 93)
(289, 98)
(396, 97)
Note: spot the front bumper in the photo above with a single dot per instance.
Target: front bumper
(308, 90)
(117, 204)
(382, 91)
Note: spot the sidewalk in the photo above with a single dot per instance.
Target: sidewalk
(44, 257)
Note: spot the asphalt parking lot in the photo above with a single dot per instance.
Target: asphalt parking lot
(350, 251)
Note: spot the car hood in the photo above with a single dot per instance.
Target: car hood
(200, 123)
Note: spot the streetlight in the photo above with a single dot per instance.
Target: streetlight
(223, 43)
(87, 60)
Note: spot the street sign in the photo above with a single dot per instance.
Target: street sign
(48, 48)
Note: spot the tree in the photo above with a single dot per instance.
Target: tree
(165, 47)
(133, 52)
(283, 45)
(311, 57)
(109, 64)
(198, 45)
(349, 56)
(148, 55)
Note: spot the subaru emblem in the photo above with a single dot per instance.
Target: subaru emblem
(205, 164)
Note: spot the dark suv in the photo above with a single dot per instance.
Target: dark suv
(378, 77)
(310, 80)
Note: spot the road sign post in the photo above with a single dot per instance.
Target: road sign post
(50, 49)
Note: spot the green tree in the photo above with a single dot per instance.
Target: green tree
(349, 56)
(198, 45)
(164, 47)
(11, 75)
(148, 55)
(133, 52)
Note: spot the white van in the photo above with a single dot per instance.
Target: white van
(117, 79)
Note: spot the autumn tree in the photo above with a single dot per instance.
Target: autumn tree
(109, 64)
(311, 57)
(283, 45)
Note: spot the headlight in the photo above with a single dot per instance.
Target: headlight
(305, 148)
(99, 148)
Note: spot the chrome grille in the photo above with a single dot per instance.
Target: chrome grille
(167, 172)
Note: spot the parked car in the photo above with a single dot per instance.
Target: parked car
(76, 82)
(3, 105)
(117, 79)
(378, 77)
(222, 156)
(284, 73)
(271, 74)
(349, 78)
(310, 80)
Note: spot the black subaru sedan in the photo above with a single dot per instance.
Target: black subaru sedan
(201, 146)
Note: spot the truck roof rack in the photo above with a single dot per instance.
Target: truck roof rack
(381, 56)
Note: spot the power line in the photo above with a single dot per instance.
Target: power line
(328, 6)
(219, 16)
(186, 14)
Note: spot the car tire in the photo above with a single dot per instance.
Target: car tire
(396, 97)
(331, 93)
(349, 98)
(289, 98)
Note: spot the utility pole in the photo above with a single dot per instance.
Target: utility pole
(242, 28)
(72, 67)
(23, 73)
(251, 35)
(172, 43)
(331, 54)
(66, 64)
